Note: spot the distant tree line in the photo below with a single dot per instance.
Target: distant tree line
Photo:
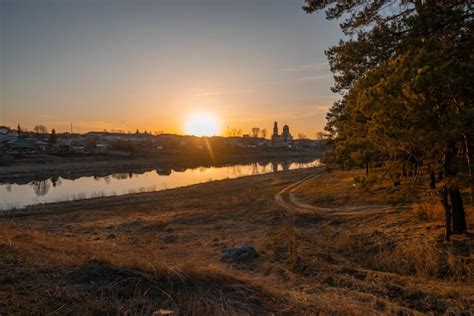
(406, 75)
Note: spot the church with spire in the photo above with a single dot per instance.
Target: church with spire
(283, 140)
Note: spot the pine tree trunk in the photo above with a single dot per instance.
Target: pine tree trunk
(455, 218)
(447, 214)
(469, 166)
(432, 180)
(468, 156)
(457, 211)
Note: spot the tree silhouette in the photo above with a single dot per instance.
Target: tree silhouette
(53, 138)
(40, 129)
(255, 131)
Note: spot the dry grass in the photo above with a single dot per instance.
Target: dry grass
(351, 188)
(78, 276)
(161, 251)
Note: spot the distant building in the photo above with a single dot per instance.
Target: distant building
(283, 140)
(21, 144)
(101, 148)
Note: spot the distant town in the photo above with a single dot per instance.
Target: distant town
(20, 142)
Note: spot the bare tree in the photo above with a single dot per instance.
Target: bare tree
(40, 129)
(263, 133)
(302, 136)
(255, 131)
(234, 132)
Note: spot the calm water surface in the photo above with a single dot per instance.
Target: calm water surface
(59, 189)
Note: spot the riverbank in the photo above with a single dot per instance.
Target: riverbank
(40, 167)
(144, 252)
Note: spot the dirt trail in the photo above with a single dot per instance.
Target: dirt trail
(293, 205)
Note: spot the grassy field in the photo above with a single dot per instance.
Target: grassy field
(159, 252)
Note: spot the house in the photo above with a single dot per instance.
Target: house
(40, 145)
(79, 149)
(21, 144)
(101, 148)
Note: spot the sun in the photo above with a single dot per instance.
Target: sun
(202, 124)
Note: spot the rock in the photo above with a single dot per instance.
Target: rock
(239, 254)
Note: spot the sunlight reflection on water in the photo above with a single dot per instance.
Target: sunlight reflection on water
(57, 189)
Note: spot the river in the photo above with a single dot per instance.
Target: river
(57, 189)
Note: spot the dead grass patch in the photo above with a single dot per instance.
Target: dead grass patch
(92, 278)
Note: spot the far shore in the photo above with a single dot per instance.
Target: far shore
(41, 167)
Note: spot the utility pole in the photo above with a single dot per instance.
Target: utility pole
(71, 128)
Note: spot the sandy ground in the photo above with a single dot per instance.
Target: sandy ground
(363, 259)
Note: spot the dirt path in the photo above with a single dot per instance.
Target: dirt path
(286, 198)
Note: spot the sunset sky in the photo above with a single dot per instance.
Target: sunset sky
(103, 64)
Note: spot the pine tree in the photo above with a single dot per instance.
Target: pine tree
(405, 76)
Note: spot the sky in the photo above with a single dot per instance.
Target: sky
(151, 65)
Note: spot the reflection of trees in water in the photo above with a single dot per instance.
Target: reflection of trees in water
(56, 181)
(274, 167)
(254, 168)
(41, 187)
(120, 176)
(236, 170)
(163, 172)
(8, 187)
(259, 168)
(107, 179)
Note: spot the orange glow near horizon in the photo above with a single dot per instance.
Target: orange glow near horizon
(202, 124)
